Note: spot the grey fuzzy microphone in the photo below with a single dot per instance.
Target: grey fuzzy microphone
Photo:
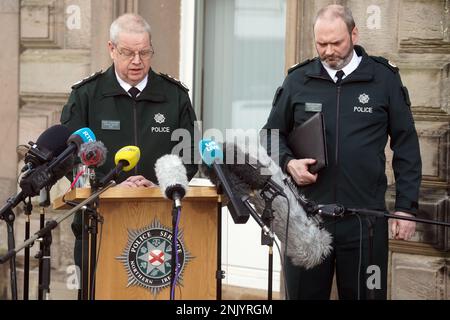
(172, 178)
(93, 153)
(308, 244)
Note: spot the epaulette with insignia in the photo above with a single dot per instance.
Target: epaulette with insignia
(386, 62)
(85, 80)
(176, 81)
(298, 65)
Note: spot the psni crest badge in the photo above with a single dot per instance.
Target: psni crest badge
(148, 254)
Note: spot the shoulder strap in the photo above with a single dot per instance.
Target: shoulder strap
(391, 66)
(299, 65)
(86, 80)
(175, 81)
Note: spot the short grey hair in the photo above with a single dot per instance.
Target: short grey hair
(129, 23)
(334, 11)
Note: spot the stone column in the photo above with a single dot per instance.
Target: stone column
(9, 106)
(164, 16)
(103, 14)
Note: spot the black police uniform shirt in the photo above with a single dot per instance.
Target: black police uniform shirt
(360, 112)
(100, 103)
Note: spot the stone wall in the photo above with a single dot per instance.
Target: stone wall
(414, 35)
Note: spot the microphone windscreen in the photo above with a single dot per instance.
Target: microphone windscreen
(63, 168)
(308, 243)
(248, 168)
(170, 172)
(129, 154)
(93, 154)
(54, 139)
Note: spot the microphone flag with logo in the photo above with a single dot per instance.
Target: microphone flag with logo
(213, 167)
(48, 174)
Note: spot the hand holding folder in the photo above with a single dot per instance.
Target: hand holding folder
(308, 141)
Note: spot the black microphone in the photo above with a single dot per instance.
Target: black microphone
(74, 142)
(237, 190)
(49, 173)
(251, 170)
(48, 145)
(308, 243)
(212, 156)
(172, 178)
(257, 176)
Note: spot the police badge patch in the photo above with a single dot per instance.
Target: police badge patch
(147, 257)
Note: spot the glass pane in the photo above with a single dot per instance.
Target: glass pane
(244, 61)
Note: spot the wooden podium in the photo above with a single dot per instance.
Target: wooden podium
(133, 246)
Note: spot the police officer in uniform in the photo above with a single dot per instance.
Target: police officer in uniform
(363, 102)
(131, 104)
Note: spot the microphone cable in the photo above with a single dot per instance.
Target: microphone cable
(175, 245)
(360, 256)
(285, 250)
(100, 221)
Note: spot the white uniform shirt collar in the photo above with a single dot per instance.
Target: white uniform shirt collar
(126, 86)
(348, 69)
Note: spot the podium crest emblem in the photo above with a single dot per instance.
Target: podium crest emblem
(148, 255)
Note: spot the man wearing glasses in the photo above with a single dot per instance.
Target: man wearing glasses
(130, 104)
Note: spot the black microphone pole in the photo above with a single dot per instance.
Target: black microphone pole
(336, 210)
(45, 235)
(7, 214)
(268, 194)
(93, 230)
(173, 258)
(44, 202)
(28, 208)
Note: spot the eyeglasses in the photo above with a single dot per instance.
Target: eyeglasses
(130, 54)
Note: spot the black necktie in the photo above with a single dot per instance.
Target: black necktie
(134, 92)
(340, 74)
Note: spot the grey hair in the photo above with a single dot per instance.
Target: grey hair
(129, 23)
(334, 11)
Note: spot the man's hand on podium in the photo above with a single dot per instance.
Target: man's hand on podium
(137, 181)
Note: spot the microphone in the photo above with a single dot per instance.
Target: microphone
(74, 142)
(125, 159)
(93, 154)
(48, 145)
(48, 174)
(236, 190)
(172, 178)
(212, 156)
(251, 170)
(308, 244)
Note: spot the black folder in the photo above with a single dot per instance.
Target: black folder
(309, 141)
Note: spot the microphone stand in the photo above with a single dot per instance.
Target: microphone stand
(220, 274)
(7, 214)
(28, 208)
(336, 210)
(45, 235)
(44, 202)
(173, 258)
(268, 194)
(94, 218)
